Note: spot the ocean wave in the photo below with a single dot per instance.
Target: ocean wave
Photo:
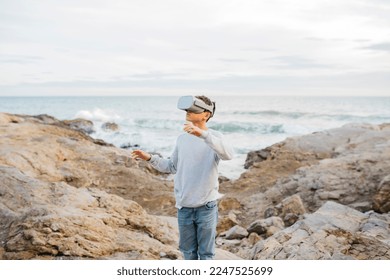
(354, 118)
(158, 124)
(313, 115)
(225, 127)
(271, 113)
(248, 127)
(98, 114)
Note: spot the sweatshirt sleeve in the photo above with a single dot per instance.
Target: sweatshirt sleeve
(165, 165)
(217, 142)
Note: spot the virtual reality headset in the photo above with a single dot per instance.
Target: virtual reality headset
(195, 105)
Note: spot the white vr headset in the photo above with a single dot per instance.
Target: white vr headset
(193, 104)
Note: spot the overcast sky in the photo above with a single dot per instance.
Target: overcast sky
(237, 47)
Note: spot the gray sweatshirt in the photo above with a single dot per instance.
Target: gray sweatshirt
(195, 163)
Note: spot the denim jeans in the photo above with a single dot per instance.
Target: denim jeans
(197, 229)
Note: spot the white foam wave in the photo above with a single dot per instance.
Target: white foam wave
(98, 114)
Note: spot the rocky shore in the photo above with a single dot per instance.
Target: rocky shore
(65, 195)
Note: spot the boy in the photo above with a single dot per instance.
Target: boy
(195, 162)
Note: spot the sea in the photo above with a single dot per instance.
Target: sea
(249, 123)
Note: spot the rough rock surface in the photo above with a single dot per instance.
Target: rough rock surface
(348, 165)
(49, 150)
(50, 220)
(334, 231)
(82, 125)
(65, 195)
(382, 197)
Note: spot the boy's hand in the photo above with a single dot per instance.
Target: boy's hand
(190, 128)
(139, 154)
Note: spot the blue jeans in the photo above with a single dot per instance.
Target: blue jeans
(197, 229)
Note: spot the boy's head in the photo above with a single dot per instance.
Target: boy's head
(198, 104)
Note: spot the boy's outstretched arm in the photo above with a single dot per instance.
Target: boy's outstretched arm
(139, 154)
(161, 164)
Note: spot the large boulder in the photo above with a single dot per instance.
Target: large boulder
(82, 125)
(267, 226)
(334, 231)
(51, 151)
(347, 165)
(55, 220)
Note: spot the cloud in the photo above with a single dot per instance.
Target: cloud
(380, 47)
(20, 59)
(297, 62)
(233, 60)
(374, 84)
(151, 44)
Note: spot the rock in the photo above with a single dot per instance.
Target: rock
(274, 225)
(346, 165)
(236, 232)
(40, 219)
(82, 125)
(271, 211)
(290, 219)
(228, 203)
(382, 197)
(222, 179)
(332, 232)
(230, 245)
(80, 161)
(266, 226)
(291, 208)
(110, 126)
(101, 142)
(257, 227)
(256, 156)
(85, 198)
(129, 146)
(376, 226)
(292, 204)
(46, 119)
(226, 222)
(221, 240)
(225, 255)
(6, 119)
(253, 238)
